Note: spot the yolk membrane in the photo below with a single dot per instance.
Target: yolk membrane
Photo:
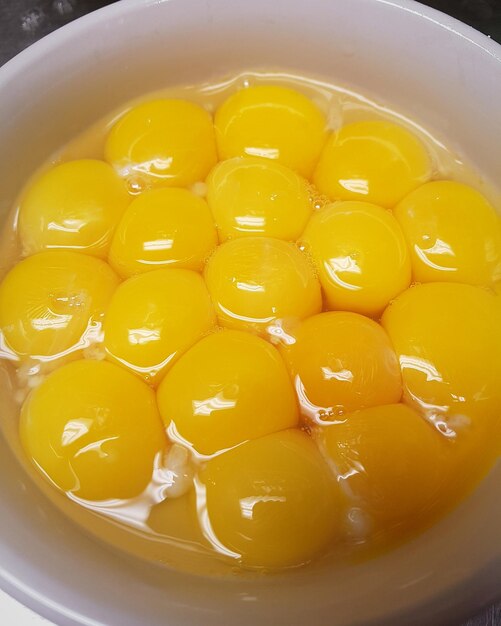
(50, 299)
(94, 430)
(229, 387)
(73, 206)
(154, 317)
(374, 161)
(274, 123)
(253, 196)
(163, 228)
(361, 256)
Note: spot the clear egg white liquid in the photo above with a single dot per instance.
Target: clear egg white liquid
(168, 524)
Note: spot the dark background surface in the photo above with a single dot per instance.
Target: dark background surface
(22, 22)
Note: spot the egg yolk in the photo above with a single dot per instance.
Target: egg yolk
(154, 317)
(274, 123)
(341, 362)
(73, 206)
(448, 340)
(94, 430)
(453, 234)
(166, 143)
(163, 228)
(229, 387)
(375, 161)
(255, 281)
(390, 462)
(361, 256)
(271, 502)
(252, 196)
(50, 299)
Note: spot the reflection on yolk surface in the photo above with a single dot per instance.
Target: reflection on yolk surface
(163, 228)
(94, 430)
(49, 300)
(166, 142)
(390, 462)
(375, 161)
(453, 234)
(231, 386)
(254, 281)
(342, 362)
(361, 256)
(448, 339)
(274, 123)
(271, 502)
(74, 206)
(154, 317)
(252, 196)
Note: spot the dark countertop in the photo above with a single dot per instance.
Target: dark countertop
(22, 22)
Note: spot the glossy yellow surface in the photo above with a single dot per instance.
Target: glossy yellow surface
(155, 317)
(73, 206)
(166, 143)
(274, 123)
(361, 256)
(253, 196)
(272, 502)
(341, 362)
(163, 228)
(448, 340)
(453, 234)
(94, 430)
(374, 161)
(49, 300)
(229, 387)
(391, 462)
(254, 281)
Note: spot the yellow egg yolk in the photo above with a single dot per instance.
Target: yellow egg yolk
(271, 502)
(341, 362)
(154, 317)
(448, 340)
(163, 143)
(94, 430)
(73, 206)
(229, 387)
(163, 228)
(374, 161)
(49, 300)
(274, 123)
(361, 256)
(391, 464)
(255, 281)
(453, 234)
(252, 196)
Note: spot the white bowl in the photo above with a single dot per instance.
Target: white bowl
(439, 72)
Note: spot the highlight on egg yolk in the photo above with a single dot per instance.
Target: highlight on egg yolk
(254, 281)
(341, 362)
(253, 196)
(154, 317)
(163, 228)
(274, 123)
(94, 430)
(168, 143)
(448, 340)
(73, 206)
(229, 387)
(272, 502)
(361, 256)
(50, 299)
(391, 462)
(453, 234)
(374, 161)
